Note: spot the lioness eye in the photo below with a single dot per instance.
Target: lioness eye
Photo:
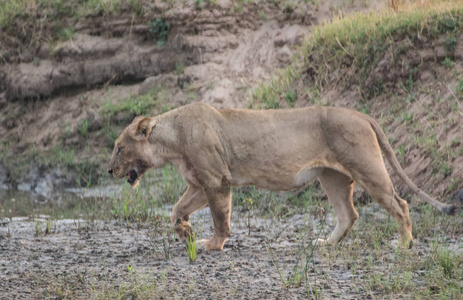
(119, 149)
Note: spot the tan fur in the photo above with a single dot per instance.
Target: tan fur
(272, 149)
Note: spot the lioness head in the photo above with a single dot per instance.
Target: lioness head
(132, 155)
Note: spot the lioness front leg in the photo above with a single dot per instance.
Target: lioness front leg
(219, 200)
(339, 189)
(193, 199)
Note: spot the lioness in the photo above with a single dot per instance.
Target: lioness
(280, 150)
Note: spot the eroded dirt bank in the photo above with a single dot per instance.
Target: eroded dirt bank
(69, 84)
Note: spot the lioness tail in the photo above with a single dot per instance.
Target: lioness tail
(390, 156)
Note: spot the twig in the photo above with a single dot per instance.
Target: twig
(453, 94)
(275, 238)
(111, 80)
(342, 47)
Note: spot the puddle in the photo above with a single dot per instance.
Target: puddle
(60, 205)
(80, 203)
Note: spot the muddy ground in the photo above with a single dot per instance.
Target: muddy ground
(93, 259)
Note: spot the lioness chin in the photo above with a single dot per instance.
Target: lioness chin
(280, 150)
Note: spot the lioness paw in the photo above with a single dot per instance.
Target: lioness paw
(320, 242)
(201, 244)
(394, 244)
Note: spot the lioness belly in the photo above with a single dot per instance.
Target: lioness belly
(278, 181)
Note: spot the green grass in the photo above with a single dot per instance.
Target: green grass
(191, 248)
(267, 95)
(351, 46)
(359, 40)
(139, 105)
(157, 188)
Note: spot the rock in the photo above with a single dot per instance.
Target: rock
(284, 55)
(45, 186)
(3, 178)
(153, 82)
(289, 36)
(458, 197)
(225, 4)
(182, 80)
(20, 147)
(426, 76)
(148, 85)
(220, 93)
(72, 140)
(9, 123)
(24, 187)
(2, 96)
(427, 55)
(441, 53)
(95, 122)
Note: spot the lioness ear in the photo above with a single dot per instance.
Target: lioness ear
(144, 128)
(137, 120)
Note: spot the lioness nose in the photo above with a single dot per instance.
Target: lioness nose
(110, 171)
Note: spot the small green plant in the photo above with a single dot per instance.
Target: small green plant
(448, 62)
(291, 97)
(48, 227)
(179, 68)
(445, 169)
(191, 248)
(239, 8)
(131, 271)
(66, 33)
(409, 83)
(199, 4)
(167, 237)
(83, 128)
(446, 262)
(296, 276)
(460, 86)
(411, 98)
(363, 107)
(249, 205)
(159, 29)
(35, 62)
(401, 152)
(406, 117)
(38, 229)
(450, 43)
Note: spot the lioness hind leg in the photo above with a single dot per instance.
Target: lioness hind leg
(382, 191)
(339, 187)
(219, 200)
(193, 199)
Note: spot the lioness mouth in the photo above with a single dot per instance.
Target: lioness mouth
(132, 177)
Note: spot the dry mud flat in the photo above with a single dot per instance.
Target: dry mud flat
(82, 259)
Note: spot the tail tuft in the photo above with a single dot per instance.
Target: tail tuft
(452, 210)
